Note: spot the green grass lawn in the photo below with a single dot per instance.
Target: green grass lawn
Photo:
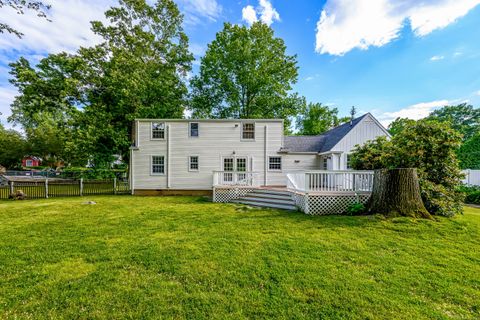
(183, 257)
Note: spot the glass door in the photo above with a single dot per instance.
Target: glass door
(228, 168)
(241, 166)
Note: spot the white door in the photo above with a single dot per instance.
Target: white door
(232, 165)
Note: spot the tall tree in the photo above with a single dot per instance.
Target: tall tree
(12, 148)
(464, 118)
(316, 118)
(20, 6)
(246, 73)
(138, 71)
(469, 153)
(398, 125)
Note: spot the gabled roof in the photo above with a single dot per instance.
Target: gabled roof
(321, 143)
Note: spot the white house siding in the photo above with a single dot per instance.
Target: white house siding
(367, 129)
(293, 162)
(216, 140)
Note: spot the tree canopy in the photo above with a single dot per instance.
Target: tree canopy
(12, 148)
(469, 153)
(138, 71)
(316, 118)
(246, 73)
(463, 118)
(430, 146)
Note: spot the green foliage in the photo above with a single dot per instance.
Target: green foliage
(398, 125)
(463, 118)
(246, 73)
(469, 153)
(430, 146)
(137, 71)
(471, 193)
(355, 209)
(13, 148)
(315, 119)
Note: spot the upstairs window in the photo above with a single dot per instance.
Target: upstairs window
(275, 163)
(193, 129)
(158, 165)
(193, 163)
(158, 130)
(248, 131)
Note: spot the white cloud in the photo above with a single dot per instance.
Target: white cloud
(249, 15)
(195, 10)
(415, 111)
(7, 94)
(265, 12)
(309, 78)
(348, 24)
(69, 28)
(436, 58)
(477, 93)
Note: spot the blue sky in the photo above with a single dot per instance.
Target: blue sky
(391, 58)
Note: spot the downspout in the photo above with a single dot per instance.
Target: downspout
(265, 157)
(168, 157)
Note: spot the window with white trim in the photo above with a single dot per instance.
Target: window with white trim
(275, 163)
(248, 131)
(158, 165)
(158, 130)
(325, 163)
(29, 163)
(348, 161)
(193, 129)
(193, 163)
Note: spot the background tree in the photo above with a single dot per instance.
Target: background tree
(469, 153)
(316, 118)
(398, 125)
(464, 118)
(246, 73)
(138, 71)
(12, 148)
(430, 146)
(20, 6)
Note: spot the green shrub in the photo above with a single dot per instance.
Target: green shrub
(355, 209)
(472, 194)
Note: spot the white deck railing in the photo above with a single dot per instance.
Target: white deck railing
(235, 178)
(330, 181)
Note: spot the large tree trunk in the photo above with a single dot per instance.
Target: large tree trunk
(396, 192)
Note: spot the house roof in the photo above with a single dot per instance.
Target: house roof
(320, 143)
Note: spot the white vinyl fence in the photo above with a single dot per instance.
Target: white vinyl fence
(472, 177)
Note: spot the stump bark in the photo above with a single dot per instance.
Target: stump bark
(396, 192)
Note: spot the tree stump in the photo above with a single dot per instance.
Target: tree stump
(396, 192)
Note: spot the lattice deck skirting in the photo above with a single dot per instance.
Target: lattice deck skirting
(230, 193)
(313, 203)
(316, 204)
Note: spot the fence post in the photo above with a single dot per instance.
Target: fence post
(115, 185)
(81, 187)
(46, 188)
(11, 187)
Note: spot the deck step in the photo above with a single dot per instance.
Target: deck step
(270, 191)
(266, 204)
(268, 200)
(269, 196)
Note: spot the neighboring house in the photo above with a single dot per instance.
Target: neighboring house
(31, 161)
(169, 156)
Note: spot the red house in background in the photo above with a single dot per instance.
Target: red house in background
(31, 161)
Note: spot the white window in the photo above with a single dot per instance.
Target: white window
(248, 131)
(275, 163)
(193, 163)
(158, 165)
(193, 129)
(348, 161)
(29, 163)
(158, 130)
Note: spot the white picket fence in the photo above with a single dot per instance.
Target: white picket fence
(472, 177)
(330, 181)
